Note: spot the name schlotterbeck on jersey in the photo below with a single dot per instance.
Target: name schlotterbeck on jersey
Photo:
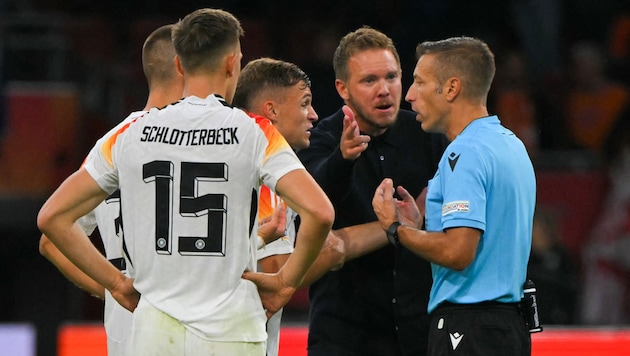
(197, 137)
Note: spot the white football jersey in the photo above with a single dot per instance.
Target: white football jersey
(189, 176)
(283, 245)
(107, 216)
(268, 201)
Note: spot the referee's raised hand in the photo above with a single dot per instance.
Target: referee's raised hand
(384, 203)
(410, 210)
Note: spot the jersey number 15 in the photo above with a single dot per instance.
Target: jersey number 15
(190, 205)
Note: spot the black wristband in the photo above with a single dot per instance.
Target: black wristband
(392, 233)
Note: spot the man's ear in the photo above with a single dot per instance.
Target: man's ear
(342, 90)
(178, 65)
(270, 111)
(230, 63)
(452, 88)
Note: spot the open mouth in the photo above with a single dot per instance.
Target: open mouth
(384, 107)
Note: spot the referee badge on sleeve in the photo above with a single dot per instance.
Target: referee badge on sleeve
(458, 206)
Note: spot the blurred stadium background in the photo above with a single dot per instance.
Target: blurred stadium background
(71, 69)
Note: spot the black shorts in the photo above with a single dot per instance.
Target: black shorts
(483, 329)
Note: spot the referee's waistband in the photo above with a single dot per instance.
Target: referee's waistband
(491, 304)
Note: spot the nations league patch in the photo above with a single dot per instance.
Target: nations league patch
(458, 206)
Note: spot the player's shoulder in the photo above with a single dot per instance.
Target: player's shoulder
(264, 124)
(132, 117)
(218, 103)
(259, 120)
(193, 107)
(135, 115)
(120, 128)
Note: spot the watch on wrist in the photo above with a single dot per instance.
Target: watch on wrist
(392, 233)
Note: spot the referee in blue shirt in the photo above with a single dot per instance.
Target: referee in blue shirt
(479, 206)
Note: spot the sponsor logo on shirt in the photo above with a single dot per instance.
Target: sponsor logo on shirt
(455, 339)
(452, 160)
(458, 206)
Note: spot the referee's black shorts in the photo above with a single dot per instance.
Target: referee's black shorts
(483, 329)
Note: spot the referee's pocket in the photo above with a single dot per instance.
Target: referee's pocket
(494, 328)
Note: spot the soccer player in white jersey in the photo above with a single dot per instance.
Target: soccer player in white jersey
(280, 92)
(189, 176)
(165, 87)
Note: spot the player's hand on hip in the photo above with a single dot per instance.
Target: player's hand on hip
(352, 143)
(126, 295)
(274, 294)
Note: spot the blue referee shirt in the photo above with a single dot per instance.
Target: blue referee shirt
(485, 180)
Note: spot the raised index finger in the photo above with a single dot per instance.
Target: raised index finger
(350, 126)
(348, 112)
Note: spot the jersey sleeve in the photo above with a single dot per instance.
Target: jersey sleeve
(284, 245)
(266, 205)
(100, 161)
(281, 246)
(464, 187)
(267, 202)
(88, 223)
(279, 158)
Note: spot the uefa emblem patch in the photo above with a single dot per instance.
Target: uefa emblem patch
(458, 206)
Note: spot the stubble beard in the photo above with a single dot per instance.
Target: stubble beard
(366, 120)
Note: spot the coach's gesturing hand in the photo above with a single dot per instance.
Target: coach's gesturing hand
(352, 143)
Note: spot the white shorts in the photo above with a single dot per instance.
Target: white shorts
(116, 348)
(273, 333)
(155, 333)
(118, 322)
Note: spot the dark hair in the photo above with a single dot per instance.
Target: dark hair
(263, 74)
(202, 37)
(360, 40)
(467, 58)
(158, 56)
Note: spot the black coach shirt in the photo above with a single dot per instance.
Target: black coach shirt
(375, 304)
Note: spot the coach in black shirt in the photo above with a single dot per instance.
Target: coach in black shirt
(377, 303)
